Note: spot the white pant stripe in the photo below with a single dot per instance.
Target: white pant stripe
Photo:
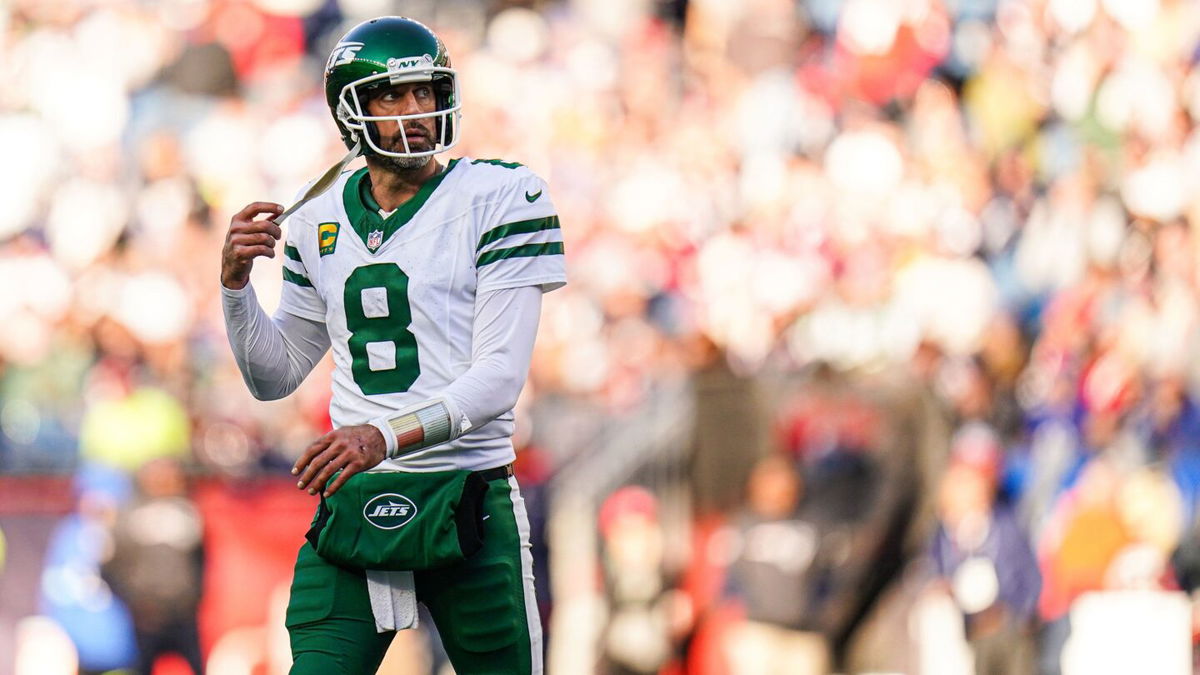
(531, 609)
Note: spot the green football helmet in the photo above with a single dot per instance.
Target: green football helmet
(386, 51)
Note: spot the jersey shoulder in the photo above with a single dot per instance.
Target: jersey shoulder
(517, 241)
(498, 178)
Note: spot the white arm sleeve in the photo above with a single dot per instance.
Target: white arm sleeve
(504, 331)
(275, 354)
(506, 323)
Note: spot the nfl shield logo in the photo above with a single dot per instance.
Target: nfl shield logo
(374, 239)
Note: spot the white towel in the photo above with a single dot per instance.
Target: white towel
(393, 599)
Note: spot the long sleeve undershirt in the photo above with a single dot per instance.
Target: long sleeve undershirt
(276, 353)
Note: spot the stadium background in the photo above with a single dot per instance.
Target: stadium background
(904, 245)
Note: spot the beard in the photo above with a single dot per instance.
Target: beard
(395, 143)
(399, 164)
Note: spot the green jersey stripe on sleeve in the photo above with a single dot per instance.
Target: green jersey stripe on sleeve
(526, 251)
(519, 227)
(292, 252)
(298, 279)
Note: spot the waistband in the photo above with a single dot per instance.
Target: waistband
(499, 473)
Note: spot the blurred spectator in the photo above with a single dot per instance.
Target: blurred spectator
(857, 439)
(777, 574)
(126, 425)
(1109, 532)
(637, 638)
(73, 592)
(157, 564)
(730, 414)
(983, 556)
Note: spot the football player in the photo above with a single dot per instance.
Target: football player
(426, 280)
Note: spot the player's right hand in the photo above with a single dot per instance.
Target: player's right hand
(246, 240)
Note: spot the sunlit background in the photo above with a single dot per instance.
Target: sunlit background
(878, 351)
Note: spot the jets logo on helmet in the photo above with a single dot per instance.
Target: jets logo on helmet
(388, 51)
(343, 53)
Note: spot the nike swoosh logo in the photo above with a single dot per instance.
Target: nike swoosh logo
(531, 198)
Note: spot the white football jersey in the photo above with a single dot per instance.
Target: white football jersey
(397, 294)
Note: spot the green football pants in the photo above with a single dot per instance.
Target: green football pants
(484, 607)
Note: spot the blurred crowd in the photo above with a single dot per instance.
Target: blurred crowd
(942, 248)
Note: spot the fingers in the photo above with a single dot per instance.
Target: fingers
(246, 244)
(336, 464)
(257, 208)
(242, 256)
(243, 221)
(255, 226)
(313, 470)
(346, 450)
(267, 227)
(253, 239)
(248, 239)
(341, 480)
(332, 453)
(249, 252)
(310, 453)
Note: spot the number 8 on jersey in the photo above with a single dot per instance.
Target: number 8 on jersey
(378, 317)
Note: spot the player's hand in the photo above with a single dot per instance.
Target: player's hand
(349, 449)
(246, 240)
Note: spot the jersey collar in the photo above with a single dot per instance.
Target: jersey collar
(363, 210)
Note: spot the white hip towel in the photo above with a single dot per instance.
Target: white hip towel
(393, 599)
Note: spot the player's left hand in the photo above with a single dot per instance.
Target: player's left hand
(349, 449)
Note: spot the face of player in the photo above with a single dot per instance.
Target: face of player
(405, 99)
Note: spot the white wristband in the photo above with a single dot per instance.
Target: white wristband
(418, 426)
(389, 436)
